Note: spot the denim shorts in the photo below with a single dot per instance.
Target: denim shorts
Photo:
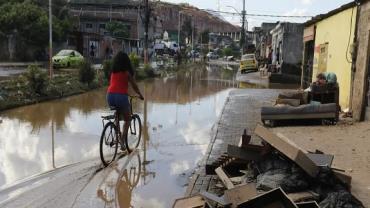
(119, 101)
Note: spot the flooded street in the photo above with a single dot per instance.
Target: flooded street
(178, 116)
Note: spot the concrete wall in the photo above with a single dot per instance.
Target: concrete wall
(335, 31)
(293, 47)
(362, 63)
(291, 37)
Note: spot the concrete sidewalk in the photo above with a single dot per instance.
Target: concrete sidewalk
(241, 111)
(348, 143)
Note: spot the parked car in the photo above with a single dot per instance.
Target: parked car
(193, 54)
(212, 55)
(67, 58)
(248, 63)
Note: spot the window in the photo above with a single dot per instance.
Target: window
(102, 26)
(89, 26)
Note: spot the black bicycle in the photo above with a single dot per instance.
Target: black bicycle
(109, 139)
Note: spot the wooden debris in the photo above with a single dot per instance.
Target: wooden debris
(321, 159)
(303, 196)
(237, 180)
(224, 178)
(190, 202)
(343, 177)
(241, 194)
(272, 199)
(311, 204)
(243, 153)
(288, 149)
(215, 199)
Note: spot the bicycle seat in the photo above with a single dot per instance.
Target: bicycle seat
(110, 117)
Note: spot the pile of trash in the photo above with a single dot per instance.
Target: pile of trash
(276, 174)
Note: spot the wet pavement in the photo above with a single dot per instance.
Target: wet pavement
(54, 145)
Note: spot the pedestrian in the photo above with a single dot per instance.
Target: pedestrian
(92, 50)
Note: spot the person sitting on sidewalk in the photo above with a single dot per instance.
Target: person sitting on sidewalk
(320, 81)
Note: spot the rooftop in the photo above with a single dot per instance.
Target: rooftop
(321, 17)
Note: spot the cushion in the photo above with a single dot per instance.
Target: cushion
(291, 102)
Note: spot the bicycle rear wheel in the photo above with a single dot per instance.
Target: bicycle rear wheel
(108, 143)
(133, 135)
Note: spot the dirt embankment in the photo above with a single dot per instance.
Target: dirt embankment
(348, 143)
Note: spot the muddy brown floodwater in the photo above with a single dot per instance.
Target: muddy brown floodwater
(178, 116)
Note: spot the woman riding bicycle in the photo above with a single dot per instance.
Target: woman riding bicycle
(117, 93)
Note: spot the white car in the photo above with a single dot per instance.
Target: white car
(212, 55)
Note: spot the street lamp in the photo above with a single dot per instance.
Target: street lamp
(243, 14)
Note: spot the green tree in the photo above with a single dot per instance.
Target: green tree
(118, 29)
(205, 37)
(86, 73)
(37, 79)
(227, 51)
(187, 31)
(27, 21)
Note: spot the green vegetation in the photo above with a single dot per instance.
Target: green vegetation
(17, 92)
(205, 37)
(118, 29)
(107, 68)
(37, 79)
(27, 22)
(227, 52)
(135, 60)
(86, 73)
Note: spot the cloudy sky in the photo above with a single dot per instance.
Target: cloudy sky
(274, 7)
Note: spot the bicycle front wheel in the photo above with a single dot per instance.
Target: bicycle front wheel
(108, 143)
(133, 137)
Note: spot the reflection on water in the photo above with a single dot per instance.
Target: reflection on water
(178, 115)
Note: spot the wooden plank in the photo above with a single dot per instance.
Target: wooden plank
(243, 153)
(189, 202)
(241, 194)
(321, 159)
(212, 197)
(303, 196)
(288, 149)
(224, 178)
(311, 204)
(343, 177)
(273, 199)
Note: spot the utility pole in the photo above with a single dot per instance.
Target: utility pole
(146, 35)
(50, 41)
(243, 39)
(179, 30)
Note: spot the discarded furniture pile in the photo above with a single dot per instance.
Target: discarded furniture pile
(322, 103)
(275, 174)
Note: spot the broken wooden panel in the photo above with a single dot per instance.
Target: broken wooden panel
(272, 199)
(322, 160)
(215, 199)
(303, 196)
(343, 177)
(288, 149)
(243, 153)
(190, 202)
(241, 194)
(311, 204)
(224, 178)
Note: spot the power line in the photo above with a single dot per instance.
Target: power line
(258, 15)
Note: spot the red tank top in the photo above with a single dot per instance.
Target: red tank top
(118, 83)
